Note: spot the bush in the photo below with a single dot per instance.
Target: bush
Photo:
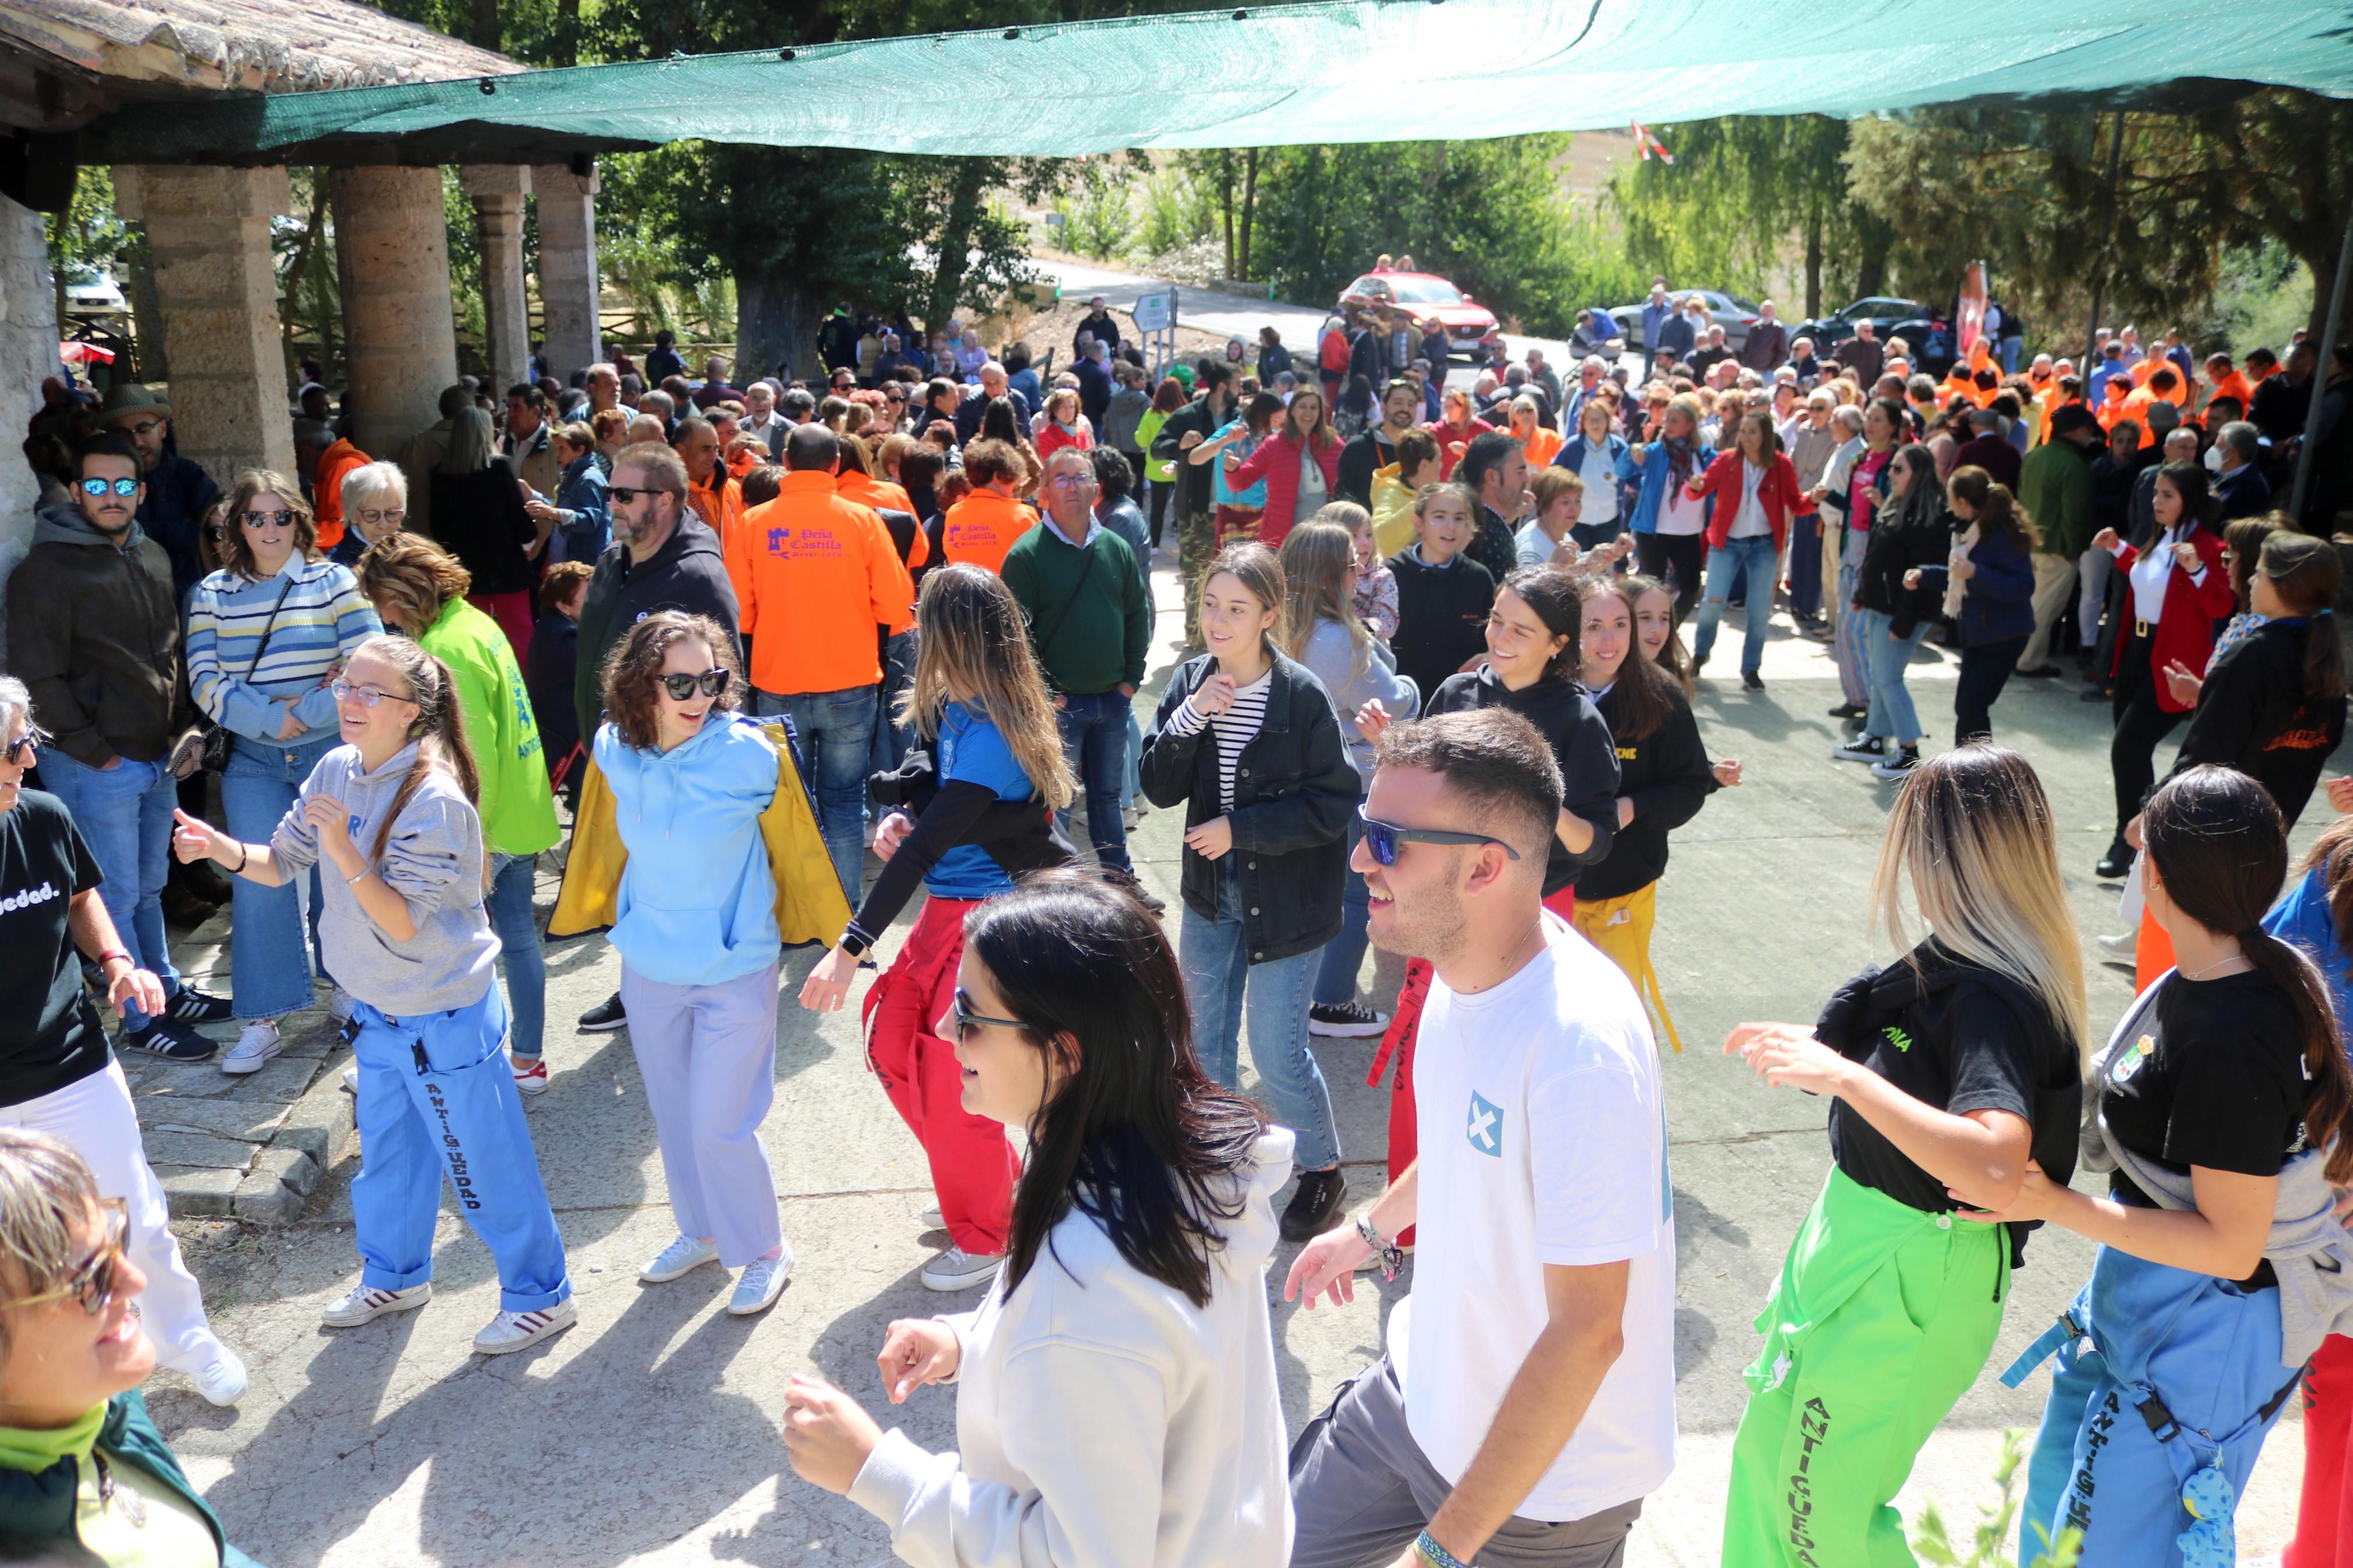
(1931, 1544)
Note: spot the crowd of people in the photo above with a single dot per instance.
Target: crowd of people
(762, 662)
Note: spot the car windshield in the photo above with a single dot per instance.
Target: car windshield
(1426, 291)
(1744, 305)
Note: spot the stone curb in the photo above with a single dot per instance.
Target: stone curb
(274, 1191)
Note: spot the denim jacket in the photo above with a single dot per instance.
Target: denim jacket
(586, 525)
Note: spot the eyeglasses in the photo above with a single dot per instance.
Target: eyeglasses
(119, 487)
(268, 519)
(33, 736)
(143, 428)
(962, 1019)
(1071, 482)
(711, 683)
(365, 696)
(376, 517)
(1383, 838)
(95, 1282)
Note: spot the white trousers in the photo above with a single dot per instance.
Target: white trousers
(95, 1116)
(708, 1054)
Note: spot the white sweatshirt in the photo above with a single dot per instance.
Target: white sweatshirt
(1103, 1421)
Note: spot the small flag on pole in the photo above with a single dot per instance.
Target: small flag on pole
(1647, 146)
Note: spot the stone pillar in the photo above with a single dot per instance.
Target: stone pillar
(568, 279)
(28, 351)
(392, 249)
(498, 190)
(208, 235)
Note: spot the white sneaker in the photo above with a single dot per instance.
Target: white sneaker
(956, 1269)
(222, 1380)
(2124, 948)
(681, 1257)
(511, 1331)
(762, 1282)
(257, 1045)
(932, 1219)
(365, 1303)
(530, 1077)
(351, 1078)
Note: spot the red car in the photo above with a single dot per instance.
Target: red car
(1424, 297)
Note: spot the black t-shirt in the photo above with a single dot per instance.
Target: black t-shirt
(49, 1034)
(2214, 1076)
(1959, 1039)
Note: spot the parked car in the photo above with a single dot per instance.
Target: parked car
(1472, 332)
(1736, 313)
(1928, 331)
(92, 291)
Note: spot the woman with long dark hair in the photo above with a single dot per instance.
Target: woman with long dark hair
(1912, 530)
(1948, 1072)
(1756, 491)
(1116, 1392)
(2220, 1108)
(2176, 589)
(1987, 583)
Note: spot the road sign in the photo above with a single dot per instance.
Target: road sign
(1155, 312)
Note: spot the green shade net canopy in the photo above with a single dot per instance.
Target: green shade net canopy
(1344, 71)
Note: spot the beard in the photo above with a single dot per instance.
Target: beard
(1429, 925)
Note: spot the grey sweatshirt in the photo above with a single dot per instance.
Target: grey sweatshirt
(1333, 660)
(433, 858)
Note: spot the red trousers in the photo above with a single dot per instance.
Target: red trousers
(512, 611)
(972, 1164)
(2323, 1518)
(1396, 1058)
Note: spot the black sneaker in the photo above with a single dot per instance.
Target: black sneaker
(1129, 881)
(1313, 1204)
(1869, 748)
(170, 1039)
(1751, 679)
(1350, 1020)
(190, 1005)
(1850, 710)
(2115, 863)
(1895, 767)
(606, 1014)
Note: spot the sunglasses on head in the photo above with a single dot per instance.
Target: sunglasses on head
(94, 1283)
(1383, 838)
(34, 737)
(711, 683)
(962, 1019)
(119, 487)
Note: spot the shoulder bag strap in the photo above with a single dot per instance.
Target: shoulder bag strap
(1086, 570)
(267, 627)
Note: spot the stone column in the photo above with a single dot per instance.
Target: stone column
(392, 249)
(208, 233)
(28, 351)
(568, 279)
(498, 190)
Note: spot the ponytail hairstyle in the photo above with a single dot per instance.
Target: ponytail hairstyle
(1997, 510)
(1645, 694)
(439, 730)
(2219, 849)
(2305, 573)
(1550, 595)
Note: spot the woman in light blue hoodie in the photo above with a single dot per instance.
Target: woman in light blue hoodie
(698, 938)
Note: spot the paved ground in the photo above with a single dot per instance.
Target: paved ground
(647, 1435)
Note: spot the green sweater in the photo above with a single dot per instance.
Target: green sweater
(2054, 487)
(517, 807)
(1100, 643)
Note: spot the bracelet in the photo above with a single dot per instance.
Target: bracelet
(244, 853)
(1427, 1545)
(1391, 1254)
(115, 953)
(354, 876)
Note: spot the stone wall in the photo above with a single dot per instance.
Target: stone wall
(28, 351)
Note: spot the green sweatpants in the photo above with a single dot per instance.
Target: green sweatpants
(1882, 1317)
(1196, 532)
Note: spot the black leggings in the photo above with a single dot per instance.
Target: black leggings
(1674, 559)
(1159, 489)
(1985, 670)
(2140, 725)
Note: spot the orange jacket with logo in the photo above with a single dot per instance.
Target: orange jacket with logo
(884, 496)
(814, 575)
(327, 491)
(983, 526)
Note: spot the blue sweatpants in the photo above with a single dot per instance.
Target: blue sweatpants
(2108, 1463)
(436, 1099)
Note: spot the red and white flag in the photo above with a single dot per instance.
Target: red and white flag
(1647, 146)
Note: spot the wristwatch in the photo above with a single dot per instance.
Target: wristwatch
(853, 943)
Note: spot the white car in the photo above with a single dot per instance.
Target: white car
(93, 289)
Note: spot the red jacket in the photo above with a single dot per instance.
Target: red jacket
(1277, 462)
(1777, 492)
(2185, 627)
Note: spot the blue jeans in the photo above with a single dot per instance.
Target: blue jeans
(1754, 561)
(1219, 979)
(124, 813)
(519, 958)
(1344, 955)
(1094, 739)
(1884, 656)
(269, 954)
(834, 734)
(1134, 784)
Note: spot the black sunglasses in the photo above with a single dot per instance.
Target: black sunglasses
(961, 1017)
(33, 736)
(623, 494)
(1383, 838)
(119, 487)
(712, 682)
(267, 518)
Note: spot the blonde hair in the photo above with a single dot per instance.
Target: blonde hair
(46, 1196)
(1972, 829)
(974, 649)
(1315, 557)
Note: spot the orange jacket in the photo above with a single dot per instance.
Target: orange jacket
(983, 526)
(814, 575)
(327, 491)
(2232, 385)
(884, 496)
(1541, 448)
(720, 506)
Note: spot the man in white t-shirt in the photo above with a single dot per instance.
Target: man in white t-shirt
(1525, 1403)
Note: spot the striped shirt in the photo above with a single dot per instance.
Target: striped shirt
(322, 619)
(1234, 729)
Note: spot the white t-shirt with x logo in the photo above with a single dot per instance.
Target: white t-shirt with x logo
(1543, 1141)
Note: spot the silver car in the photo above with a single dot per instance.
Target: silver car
(1733, 312)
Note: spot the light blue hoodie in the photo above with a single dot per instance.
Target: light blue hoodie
(697, 902)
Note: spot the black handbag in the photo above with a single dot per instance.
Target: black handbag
(217, 740)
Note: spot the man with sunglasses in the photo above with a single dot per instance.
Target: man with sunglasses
(57, 1075)
(94, 632)
(1526, 1399)
(178, 492)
